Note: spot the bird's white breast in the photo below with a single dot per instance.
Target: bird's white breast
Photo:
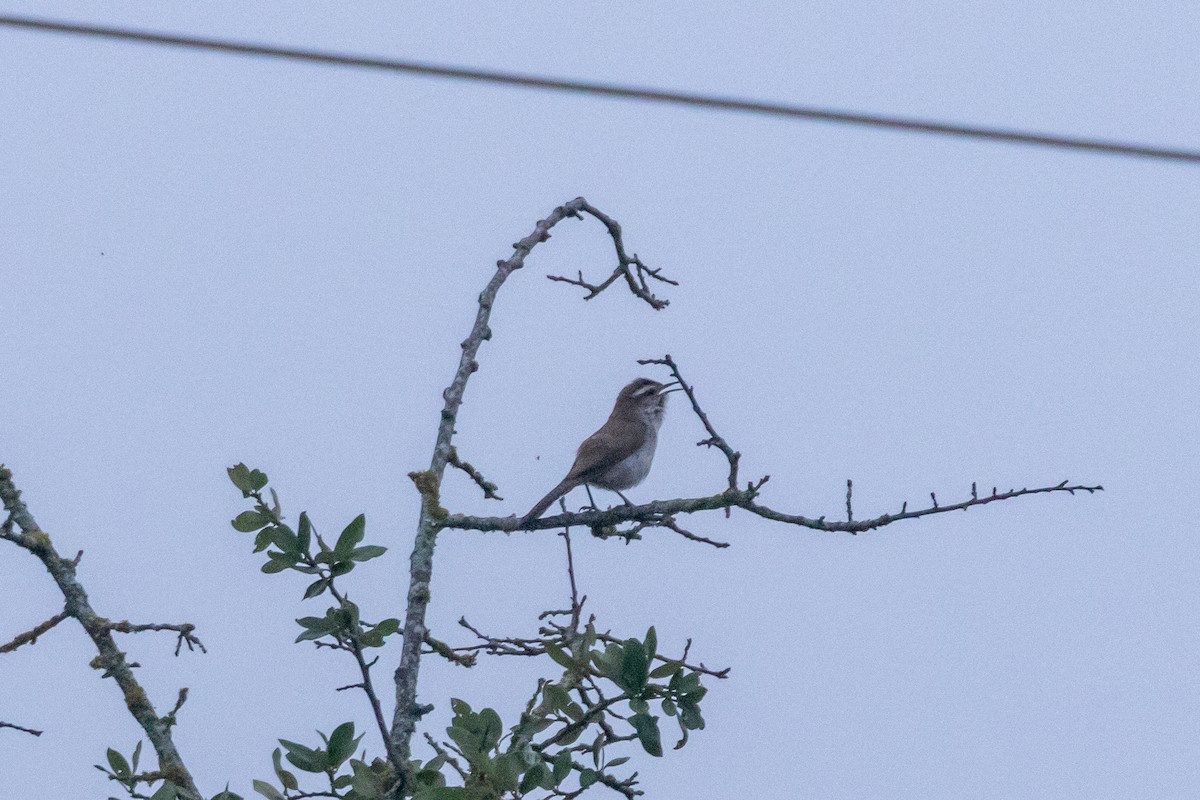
(633, 469)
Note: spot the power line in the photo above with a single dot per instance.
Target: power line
(612, 90)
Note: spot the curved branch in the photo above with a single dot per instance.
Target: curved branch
(628, 267)
(429, 481)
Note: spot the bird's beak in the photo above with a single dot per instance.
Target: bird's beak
(666, 388)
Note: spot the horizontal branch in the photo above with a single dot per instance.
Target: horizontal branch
(744, 499)
(184, 631)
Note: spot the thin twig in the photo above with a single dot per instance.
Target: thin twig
(451, 760)
(714, 439)
(463, 657)
(489, 488)
(31, 636)
(628, 267)
(576, 602)
(30, 731)
(367, 685)
(185, 633)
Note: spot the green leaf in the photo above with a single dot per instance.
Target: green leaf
(663, 670)
(533, 778)
(250, 521)
(682, 739)
(386, 627)
(491, 729)
(460, 707)
(120, 766)
(609, 661)
(286, 778)
(305, 534)
(341, 568)
(587, 777)
(556, 696)
(569, 737)
(262, 541)
(668, 707)
(634, 667)
(560, 657)
(639, 706)
(689, 716)
(651, 643)
(137, 755)
(305, 758)
(276, 564)
(351, 536)
(466, 740)
(285, 539)
(616, 762)
(316, 587)
(370, 784)
(168, 791)
(505, 771)
(257, 479)
(367, 552)
(449, 793)
(647, 731)
(227, 795)
(342, 743)
(240, 476)
(267, 790)
(562, 765)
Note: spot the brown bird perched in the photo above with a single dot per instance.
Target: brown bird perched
(618, 456)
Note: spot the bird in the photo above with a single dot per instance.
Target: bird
(618, 456)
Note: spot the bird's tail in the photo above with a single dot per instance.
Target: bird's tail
(540, 507)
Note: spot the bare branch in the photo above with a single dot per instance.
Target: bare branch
(628, 267)
(450, 759)
(576, 600)
(110, 659)
(714, 439)
(185, 633)
(429, 481)
(670, 524)
(31, 636)
(744, 499)
(463, 657)
(30, 731)
(904, 513)
(489, 488)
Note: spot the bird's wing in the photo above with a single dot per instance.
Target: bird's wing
(602, 450)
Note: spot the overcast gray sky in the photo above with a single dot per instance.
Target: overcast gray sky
(208, 259)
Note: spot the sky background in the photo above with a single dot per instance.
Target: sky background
(208, 259)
